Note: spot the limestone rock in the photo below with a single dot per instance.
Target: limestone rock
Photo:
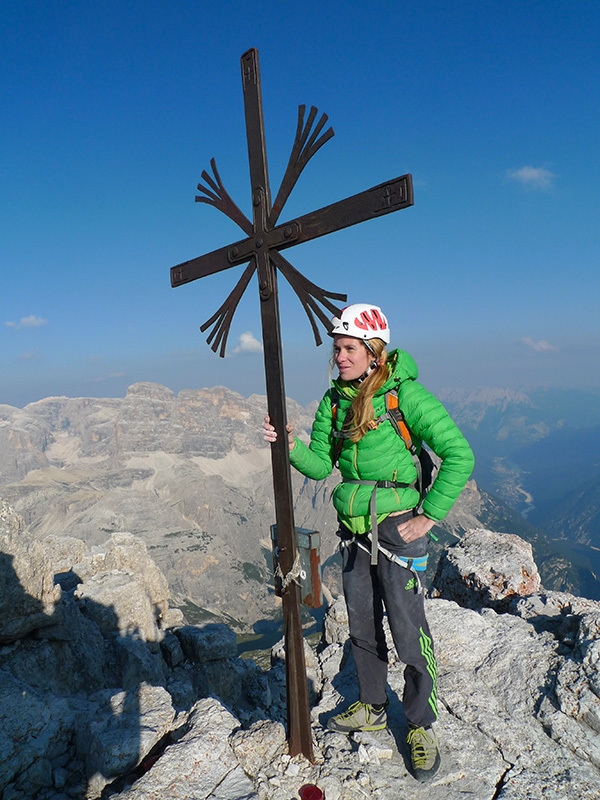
(208, 642)
(199, 762)
(126, 552)
(111, 741)
(89, 698)
(117, 601)
(62, 652)
(33, 727)
(171, 649)
(335, 626)
(485, 569)
(259, 745)
(28, 595)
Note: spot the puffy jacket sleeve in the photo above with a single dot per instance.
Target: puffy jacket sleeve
(316, 460)
(428, 420)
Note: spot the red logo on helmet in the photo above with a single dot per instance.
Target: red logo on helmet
(370, 320)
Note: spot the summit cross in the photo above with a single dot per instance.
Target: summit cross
(262, 247)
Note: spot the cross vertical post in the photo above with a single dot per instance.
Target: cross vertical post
(299, 733)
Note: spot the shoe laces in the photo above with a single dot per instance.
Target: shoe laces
(351, 710)
(423, 746)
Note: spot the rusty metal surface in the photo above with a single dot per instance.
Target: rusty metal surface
(262, 247)
(308, 544)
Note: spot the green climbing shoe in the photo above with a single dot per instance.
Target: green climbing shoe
(358, 717)
(424, 753)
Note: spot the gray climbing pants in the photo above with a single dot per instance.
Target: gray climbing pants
(368, 590)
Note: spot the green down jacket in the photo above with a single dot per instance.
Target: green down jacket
(381, 453)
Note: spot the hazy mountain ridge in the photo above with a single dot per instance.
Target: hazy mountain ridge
(538, 452)
(533, 450)
(562, 474)
(500, 422)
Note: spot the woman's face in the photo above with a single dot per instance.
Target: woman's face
(351, 357)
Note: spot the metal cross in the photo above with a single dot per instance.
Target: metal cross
(262, 247)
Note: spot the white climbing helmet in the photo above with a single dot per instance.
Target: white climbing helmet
(362, 321)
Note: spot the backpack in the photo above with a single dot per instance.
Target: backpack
(422, 459)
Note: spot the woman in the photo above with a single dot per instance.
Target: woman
(384, 519)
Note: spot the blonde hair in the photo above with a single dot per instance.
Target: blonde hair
(361, 409)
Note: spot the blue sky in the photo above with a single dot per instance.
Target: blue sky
(111, 110)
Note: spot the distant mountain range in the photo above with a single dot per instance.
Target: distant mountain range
(191, 475)
(540, 453)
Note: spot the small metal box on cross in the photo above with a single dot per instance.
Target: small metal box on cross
(262, 247)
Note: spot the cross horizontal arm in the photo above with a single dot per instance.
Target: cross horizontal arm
(376, 202)
(209, 263)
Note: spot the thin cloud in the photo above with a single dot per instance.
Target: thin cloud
(247, 343)
(532, 177)
(541, 346)
(32, 355)
(28, 322)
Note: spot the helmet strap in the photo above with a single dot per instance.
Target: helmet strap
(373, 365)
(367, 344)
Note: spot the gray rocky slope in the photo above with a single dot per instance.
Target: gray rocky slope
(104, 692)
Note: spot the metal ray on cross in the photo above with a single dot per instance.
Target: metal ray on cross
(265, 239)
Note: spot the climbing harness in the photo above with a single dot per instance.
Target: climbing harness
(414, 565)
(373, 507)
